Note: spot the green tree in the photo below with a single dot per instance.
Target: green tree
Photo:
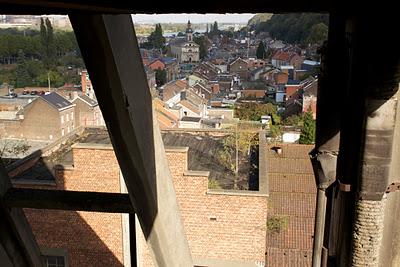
(318, 34)
(292, 28)
(307, 135)
(215, 27)
(253, 111)
(202, 49)
(161, 76)
(47, 42)
(294, 120)
(261, 53)
(156, 38)
(22, 77)
(56, 80)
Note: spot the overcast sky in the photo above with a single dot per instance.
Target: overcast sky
(194, 18)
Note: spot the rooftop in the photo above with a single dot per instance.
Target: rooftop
(56, 100)
(292, 197)
(202, 156)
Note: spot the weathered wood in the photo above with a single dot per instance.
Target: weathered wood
(68, 200)
(17, 243)
(111, 54)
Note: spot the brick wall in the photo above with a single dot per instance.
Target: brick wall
(219, 225)
(90, 238)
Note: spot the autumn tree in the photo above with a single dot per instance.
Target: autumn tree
(237, 144)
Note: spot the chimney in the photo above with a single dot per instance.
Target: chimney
(84, 81)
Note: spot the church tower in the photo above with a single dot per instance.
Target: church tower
(189, 32)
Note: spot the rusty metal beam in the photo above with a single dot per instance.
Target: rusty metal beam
(68, 200)
(111, 53)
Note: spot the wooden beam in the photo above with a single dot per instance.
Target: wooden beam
(68, 200)
(18, 246)
(111, 53)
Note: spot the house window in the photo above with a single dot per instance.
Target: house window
(67, 117)
(62, 118)
(55, 261)
(62, 132)
(55, 257)
(72, 116)
(68, 129)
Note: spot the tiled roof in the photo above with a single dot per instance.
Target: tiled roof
(56, 100)
(288, 257)
(166, 119)
(293, 197)
(283, 56)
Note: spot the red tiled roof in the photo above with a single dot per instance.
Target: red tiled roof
(283, 56)
(293, 197)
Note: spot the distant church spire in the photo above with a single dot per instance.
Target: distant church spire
(189, 32)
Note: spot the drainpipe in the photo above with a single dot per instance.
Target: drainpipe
(328, 125)
(324, 165)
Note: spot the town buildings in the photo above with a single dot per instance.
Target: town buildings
(48, 117)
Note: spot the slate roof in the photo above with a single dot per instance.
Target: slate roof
(87, 100)
(292, 196)
(56, 100)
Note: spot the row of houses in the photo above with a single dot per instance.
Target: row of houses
(47, 117)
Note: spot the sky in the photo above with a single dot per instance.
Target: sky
(194, 18)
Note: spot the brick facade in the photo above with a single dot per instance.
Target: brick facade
(90, 238)
(223, 225)
(40, 121)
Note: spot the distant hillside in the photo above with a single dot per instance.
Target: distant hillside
(258, 18)
(301, 28)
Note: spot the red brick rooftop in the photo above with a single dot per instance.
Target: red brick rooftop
(293, 197)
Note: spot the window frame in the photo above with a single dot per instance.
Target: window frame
(55, 252)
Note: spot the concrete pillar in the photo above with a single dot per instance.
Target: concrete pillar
(367, 135)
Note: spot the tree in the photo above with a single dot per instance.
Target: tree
(47, 42)
(261, 53)
(253, 111)
(161, 76)
(294, 120)
(22, 77)
(156, 38)
(202, 49)
(11, 149)
(318, 34)
(307, 135)
(236, 145)
(215, 27)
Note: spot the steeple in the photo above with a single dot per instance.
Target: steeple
(189, 32)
